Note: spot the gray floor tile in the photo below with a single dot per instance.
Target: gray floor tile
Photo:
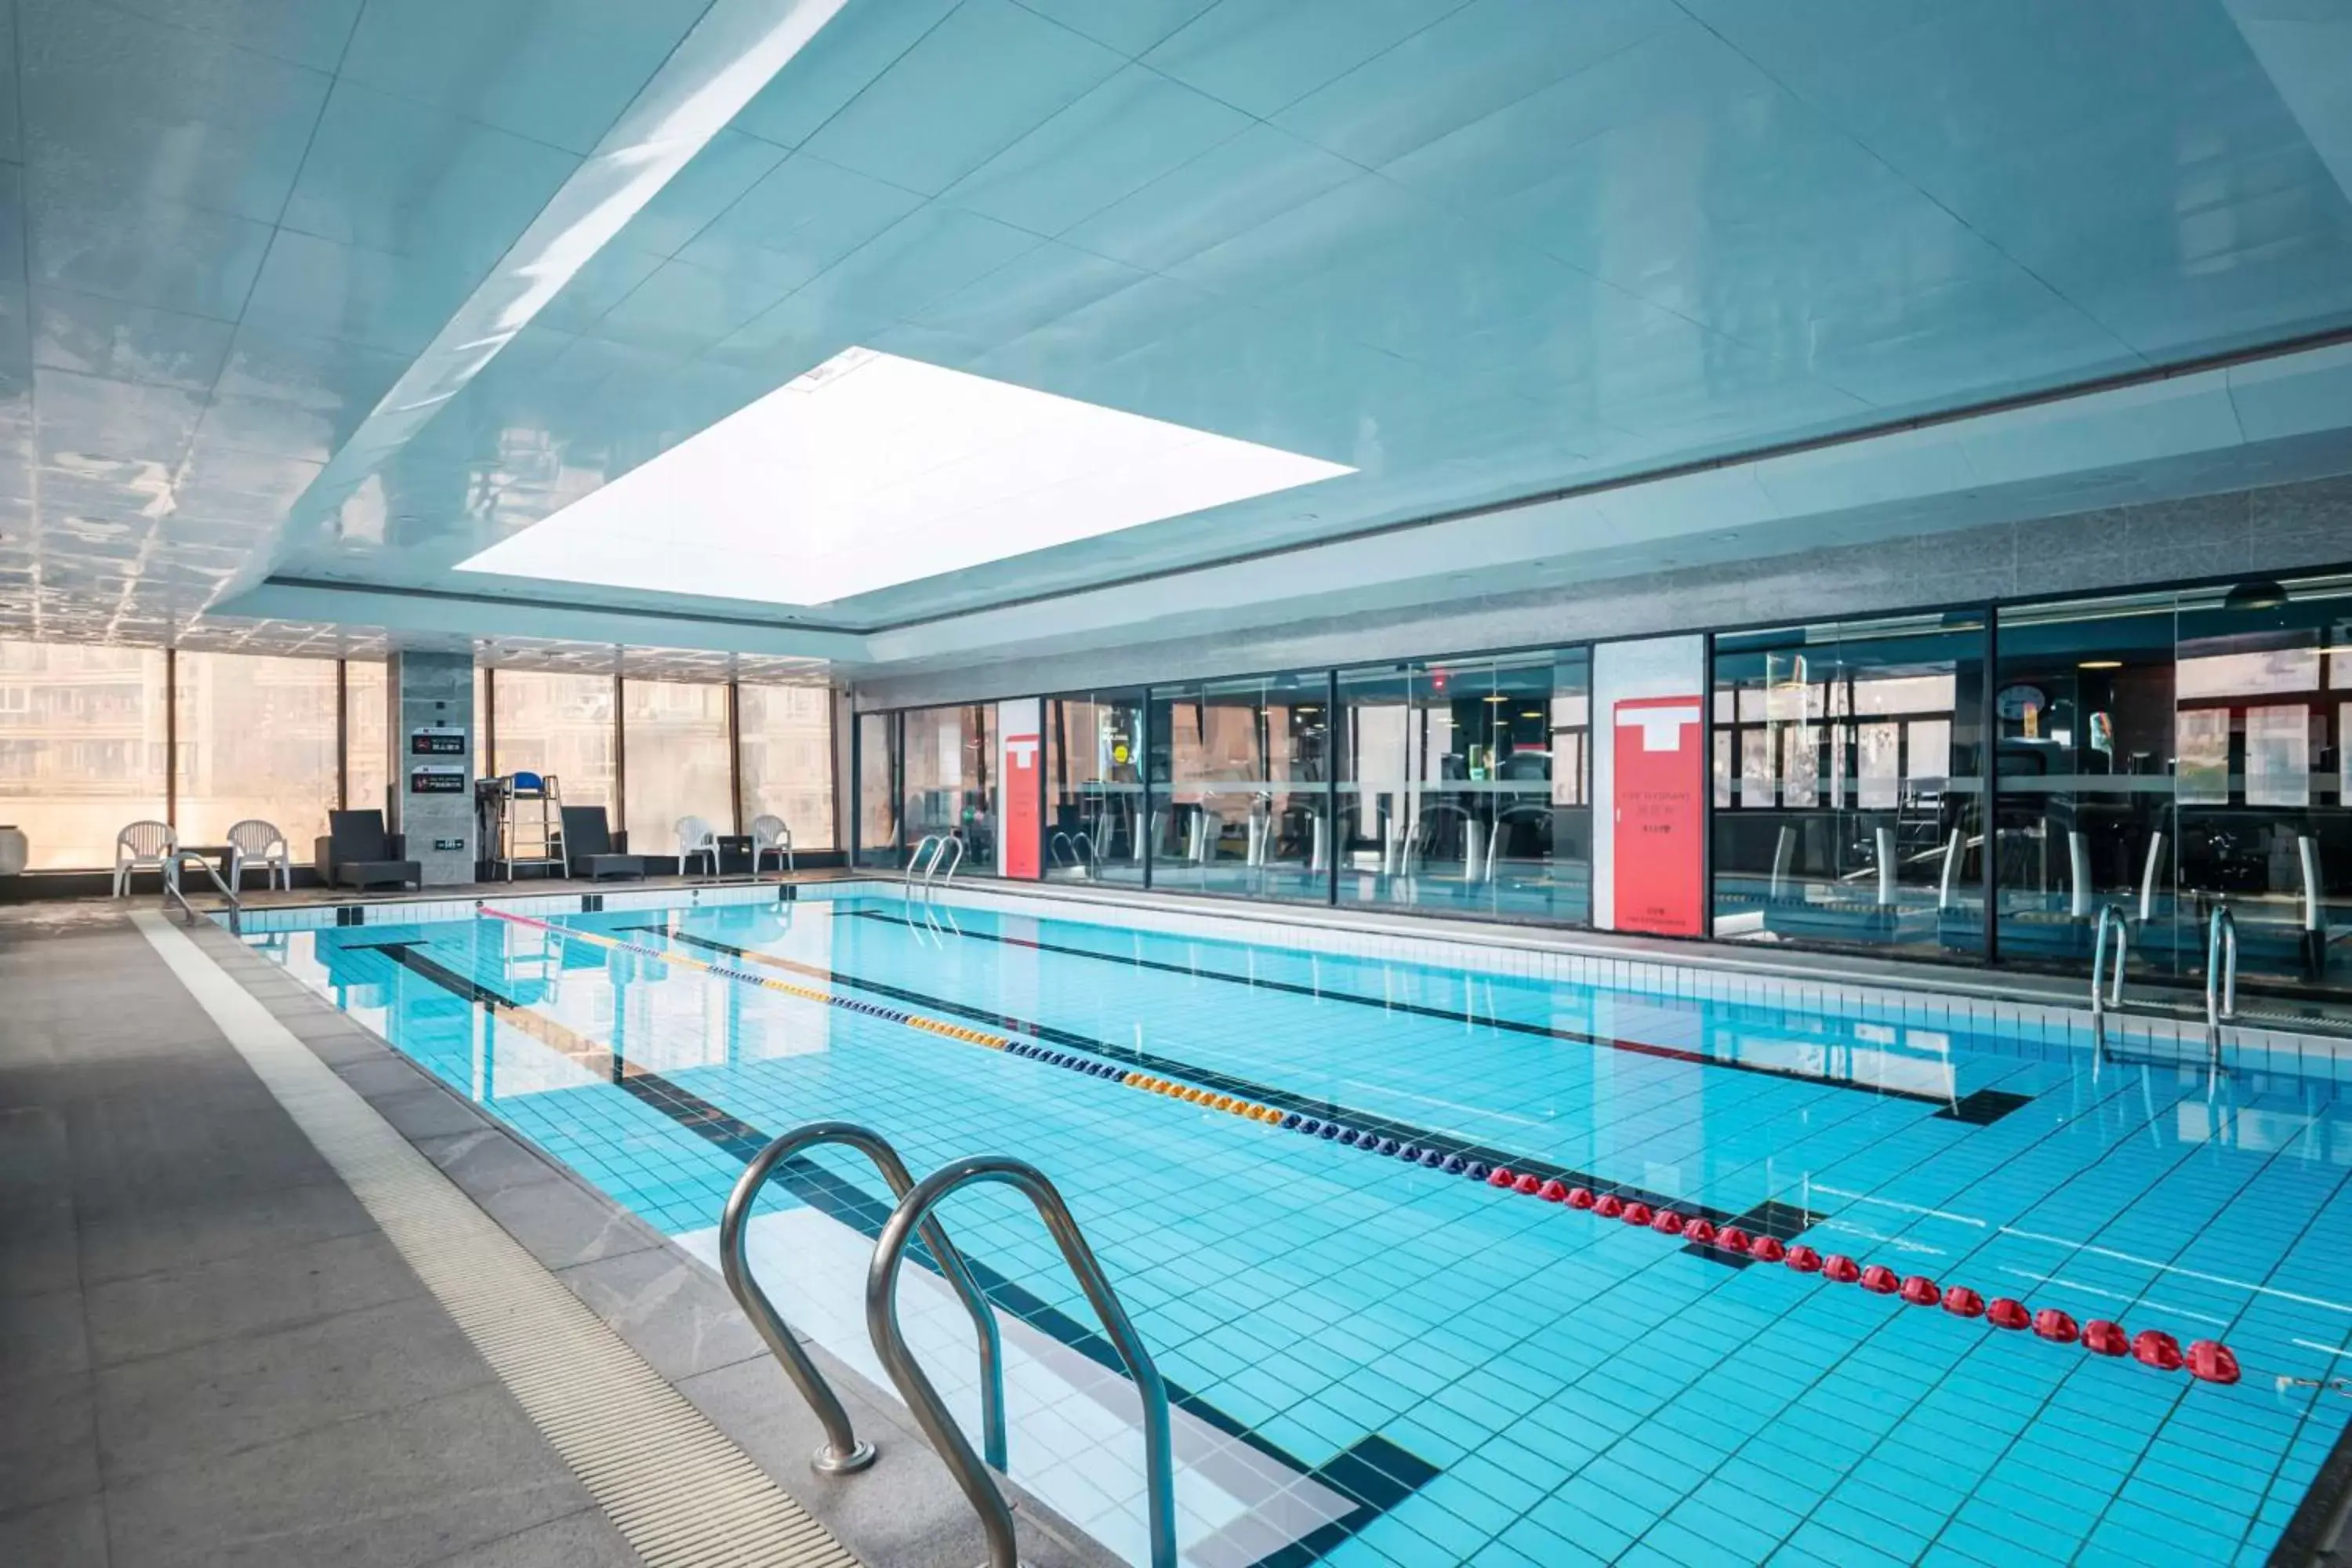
(429, 1112)
(561, 1224)
(270, 1287)
(233, 1393)
(41, 1337)
(39, 1251)
(49, 1443)
(677, 1318)
(412, 1486)
(485, 1163)
(69, 1534)
(584, 1540)
(375, 1076)
(208, 1226)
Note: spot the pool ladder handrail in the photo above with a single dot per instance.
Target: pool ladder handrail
(891, 1343)
(929, 844)
(172, 894)
(925, 873)
(844, 1453)
(2221, 976)
(2111, 917)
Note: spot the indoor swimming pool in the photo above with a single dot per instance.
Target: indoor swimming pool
(1447, 1254)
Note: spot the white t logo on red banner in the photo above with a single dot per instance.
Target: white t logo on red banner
(1021, 752)
(1662, 728)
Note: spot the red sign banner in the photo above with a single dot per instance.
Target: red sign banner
(1021, 790)
(1661, 817)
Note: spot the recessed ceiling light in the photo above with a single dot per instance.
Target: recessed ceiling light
(2101, 664)
(873, 471)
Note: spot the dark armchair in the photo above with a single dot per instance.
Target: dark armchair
(358, 853)
(588, 847)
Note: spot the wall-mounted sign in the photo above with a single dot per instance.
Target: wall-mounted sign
(1659, 819)
(437, 741)
(438, 778)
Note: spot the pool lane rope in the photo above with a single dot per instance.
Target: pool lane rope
(2205, 1360)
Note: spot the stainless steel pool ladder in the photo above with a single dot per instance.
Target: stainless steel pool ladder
(2221, 976)
(2107, 993)
(987, 1499)
(844, 1453)
(173, 895)
(924, 866)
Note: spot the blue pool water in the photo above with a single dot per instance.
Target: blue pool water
(1474, 1375)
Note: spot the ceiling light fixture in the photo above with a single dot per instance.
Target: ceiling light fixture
(873, 471)
(2101, 664)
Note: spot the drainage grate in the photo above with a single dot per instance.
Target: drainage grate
(677, 1487)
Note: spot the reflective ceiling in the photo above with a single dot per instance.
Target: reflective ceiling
(335, 292)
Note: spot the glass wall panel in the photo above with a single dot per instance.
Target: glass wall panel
(1240, 766)
(367, 743)
(256, 739)
(786, 736)
(879, 771)
(1848, 783)
(2262, 695)
(82, 748)
(1094, 786)
(949, 782)
(674, 735)
(549, 722)
(2173, 753)
(1467, 786)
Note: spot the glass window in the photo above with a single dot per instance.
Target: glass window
(1467, 786)
(550, 723)
(367, 743)
(675, 736)
(1848, 780)
(786, 736)
(2171, 754)
(950, 778)
(879, 776)
(82, 748)
(256, 739)
(1094, 786)
(1244, 764)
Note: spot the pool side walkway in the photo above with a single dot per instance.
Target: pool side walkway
(211, 1352)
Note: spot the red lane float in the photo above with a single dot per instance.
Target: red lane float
(2054, 1326)
(2207, 1360)
(2213, 1362)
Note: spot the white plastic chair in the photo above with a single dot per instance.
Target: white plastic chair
(697, 837)
(143, 847)
(769, 836)
(256, 842)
